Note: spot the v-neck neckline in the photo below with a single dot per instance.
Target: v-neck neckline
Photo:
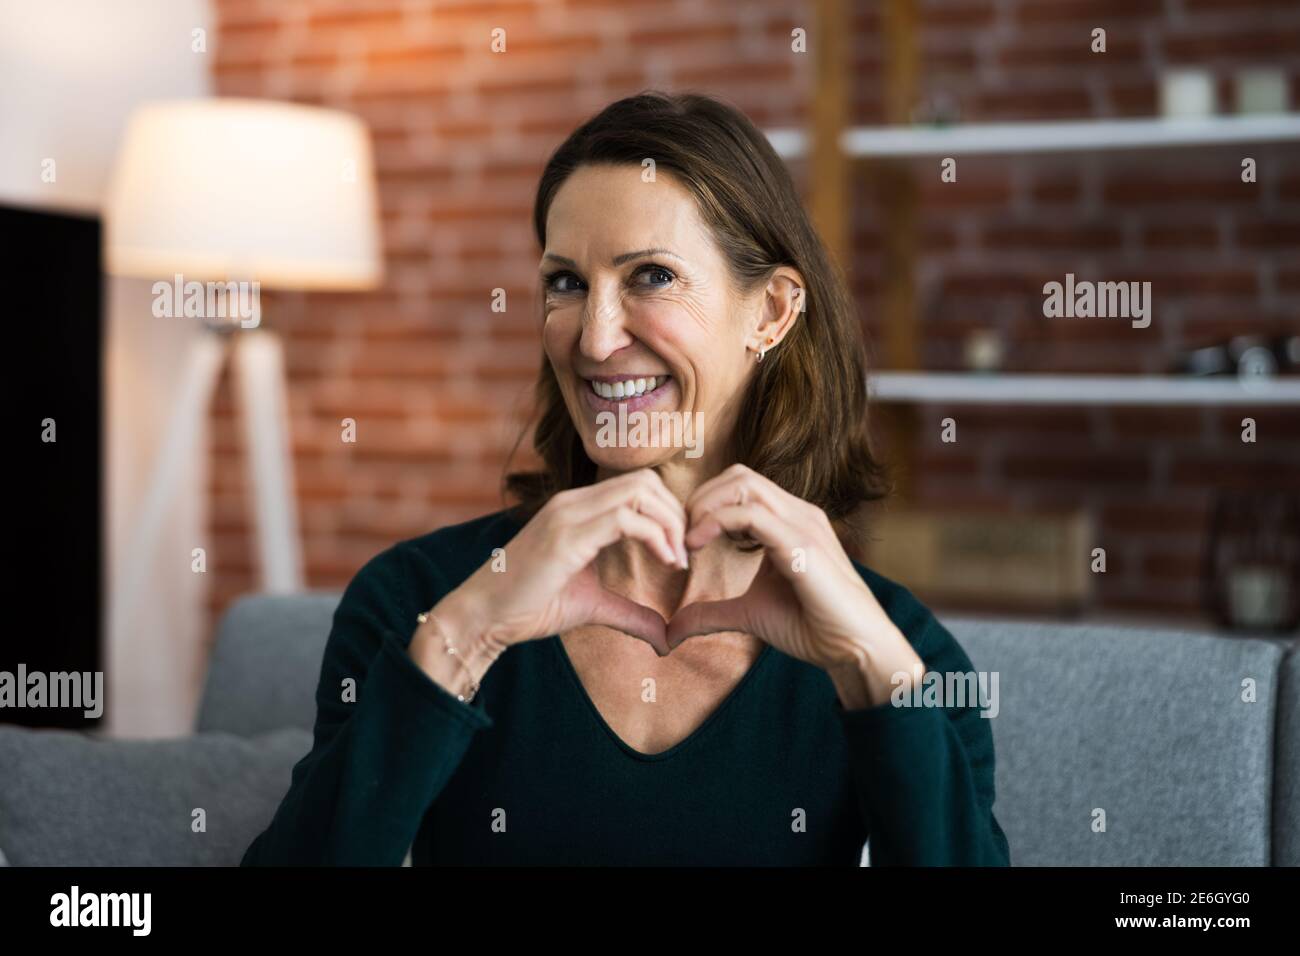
(735, 692)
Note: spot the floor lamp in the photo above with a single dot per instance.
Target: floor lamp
(216, 200)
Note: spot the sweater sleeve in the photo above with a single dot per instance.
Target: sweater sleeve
(386, 739)
(924, 775)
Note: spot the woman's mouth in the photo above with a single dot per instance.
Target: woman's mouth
(607, 393)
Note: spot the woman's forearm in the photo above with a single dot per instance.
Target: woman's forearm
(386, 740)
(377, 765)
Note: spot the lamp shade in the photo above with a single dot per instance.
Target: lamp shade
(255, 190)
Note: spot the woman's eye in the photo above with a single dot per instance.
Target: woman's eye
(659, 276)
(555, 278)
(563, 281)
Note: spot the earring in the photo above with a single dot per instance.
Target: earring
(763, 351)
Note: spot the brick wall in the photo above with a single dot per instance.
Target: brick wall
(439, 385)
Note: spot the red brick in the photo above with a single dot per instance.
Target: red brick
(989, 282)
(1070, 50)
(1083, 469)
(1157, 424)
(1219, 44)
(1134, 188)
(1172, 566)
(968, 15)
(1056, 190)
(1089, 12)
(942, 60)
(1265, 470)
(1282, 234)
(1152, 517)
(1238, 6)
(983, 420)
(1181, 236)
(1148, 599)
(1212, 325)
(1032, 103)
(935, 463)
(1140, 99)
(1202, 282)
(1089, 236)
(1273, 425)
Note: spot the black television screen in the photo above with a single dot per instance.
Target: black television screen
(55, 594)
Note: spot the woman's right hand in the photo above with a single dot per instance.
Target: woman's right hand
(549, 584)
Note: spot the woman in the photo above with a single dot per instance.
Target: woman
(662, 654)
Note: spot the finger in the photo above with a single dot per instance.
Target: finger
(646, 491)
(671, 520)
(740, 488)
(674, 510)
(753, 520)
(740, 484)
(622, 522)
(724, 477)
(622, 614)
(709, 617)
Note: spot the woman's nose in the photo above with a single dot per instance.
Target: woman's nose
(604, 326)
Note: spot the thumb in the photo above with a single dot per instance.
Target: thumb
(708, 617)
(621, 614)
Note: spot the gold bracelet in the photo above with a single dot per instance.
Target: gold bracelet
(446, 643)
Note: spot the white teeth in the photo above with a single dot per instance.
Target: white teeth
(627, 389)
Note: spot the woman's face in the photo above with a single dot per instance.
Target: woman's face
(640, 312)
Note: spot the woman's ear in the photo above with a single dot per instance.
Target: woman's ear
(783, 302)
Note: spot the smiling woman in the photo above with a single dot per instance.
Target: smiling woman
(708, 243)
(655, 657)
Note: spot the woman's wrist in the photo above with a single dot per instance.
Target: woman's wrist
(869, 680)
(851, 686)
(455, 647)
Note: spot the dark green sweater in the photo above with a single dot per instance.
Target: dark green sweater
(529, 773)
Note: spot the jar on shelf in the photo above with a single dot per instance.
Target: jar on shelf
(1252, 569)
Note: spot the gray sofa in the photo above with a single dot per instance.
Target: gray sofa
(1150, 727)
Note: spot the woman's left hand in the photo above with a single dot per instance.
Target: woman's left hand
(807, 599)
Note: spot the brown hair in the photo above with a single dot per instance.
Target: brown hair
(808, 429)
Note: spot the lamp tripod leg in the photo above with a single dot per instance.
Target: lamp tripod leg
(260, 376)
(203, 367)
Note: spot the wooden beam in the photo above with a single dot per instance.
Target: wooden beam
(897, 196)
(829, 187)
(902, 59)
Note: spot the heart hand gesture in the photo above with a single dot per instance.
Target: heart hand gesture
(807, 599)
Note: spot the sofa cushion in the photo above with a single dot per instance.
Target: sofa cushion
(1286, 772)
(266, 664)
(69, 798)
(1147, 725)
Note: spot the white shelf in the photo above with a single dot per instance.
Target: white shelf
(1070, 136)
(1016, 389)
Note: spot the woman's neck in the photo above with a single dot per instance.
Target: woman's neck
(718, 571)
